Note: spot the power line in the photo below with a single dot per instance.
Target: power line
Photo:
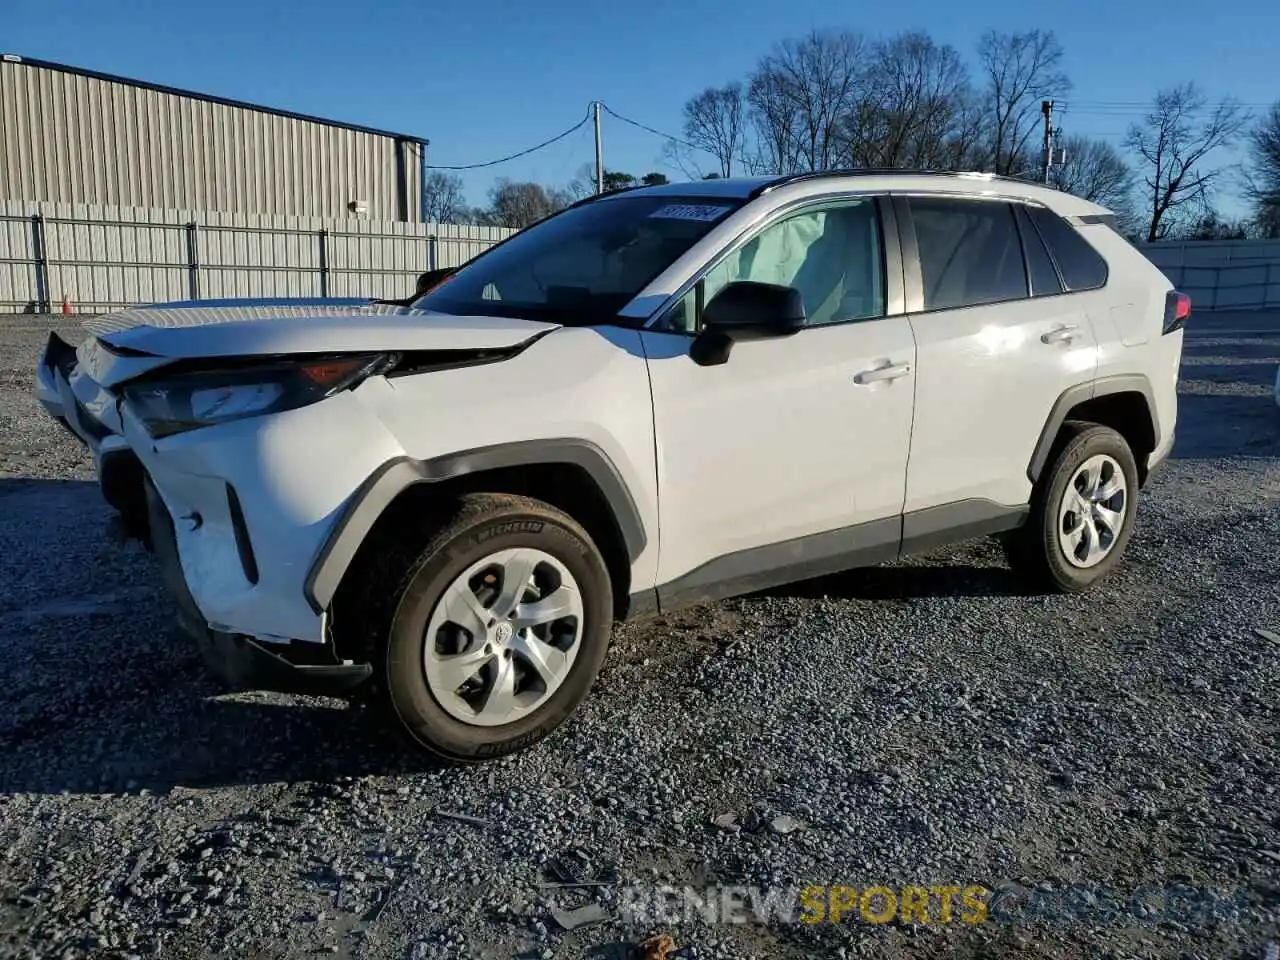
(515, 156)
(1139, 104)
(1138, 111)
(636, 123)
(583, 144)
(737, 158)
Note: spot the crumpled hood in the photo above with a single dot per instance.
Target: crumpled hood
(272, 327)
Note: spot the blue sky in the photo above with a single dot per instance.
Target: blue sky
(485, 78)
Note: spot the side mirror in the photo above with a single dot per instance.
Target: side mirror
(746, 310)
(431, 279)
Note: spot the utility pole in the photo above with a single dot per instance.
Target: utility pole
(599, 152)
(1046, 107)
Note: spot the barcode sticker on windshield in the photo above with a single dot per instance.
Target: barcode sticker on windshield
(689, 211)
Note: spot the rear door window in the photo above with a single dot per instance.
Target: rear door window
(970, 252)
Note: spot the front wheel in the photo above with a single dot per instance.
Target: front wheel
(1082, 512)
(499, 631)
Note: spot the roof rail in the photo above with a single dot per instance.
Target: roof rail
(887, 171)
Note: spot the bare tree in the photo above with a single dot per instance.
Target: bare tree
(967, 148)
(1173, 141)
(775, 118)
(1262, 181)
(1020, 71)
(913, 108)
(1211, 225)
(799, 96)
(583, 183)
(1096, 171)
(715, 121)
(518, 205)
(443, 200)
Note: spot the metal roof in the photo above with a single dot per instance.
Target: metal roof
(224, 101)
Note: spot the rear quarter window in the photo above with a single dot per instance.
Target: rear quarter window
(1081, 266)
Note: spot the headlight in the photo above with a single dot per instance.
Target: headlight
(210, 396)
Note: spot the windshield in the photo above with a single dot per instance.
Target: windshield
(582, 265)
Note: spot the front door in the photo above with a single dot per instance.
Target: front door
(792, 454)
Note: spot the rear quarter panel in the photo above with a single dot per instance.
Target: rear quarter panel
(1128, 317)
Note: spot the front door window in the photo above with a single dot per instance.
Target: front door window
(831, 253)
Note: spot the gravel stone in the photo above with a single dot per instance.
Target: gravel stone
(928, 722)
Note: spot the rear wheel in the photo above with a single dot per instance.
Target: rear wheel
(1082, 512)
(498, 631)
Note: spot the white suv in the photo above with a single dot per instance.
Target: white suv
(657, 397)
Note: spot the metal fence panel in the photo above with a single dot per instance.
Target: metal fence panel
(17, 263)
(100, 258)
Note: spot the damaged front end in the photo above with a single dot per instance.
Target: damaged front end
(229, 441)
(91, 414)
(97, 418)
(241, 661)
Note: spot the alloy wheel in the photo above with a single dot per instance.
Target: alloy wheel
(1092, 512)
(503, 636)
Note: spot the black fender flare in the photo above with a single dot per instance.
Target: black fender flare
(1080, 393)
(363, 508)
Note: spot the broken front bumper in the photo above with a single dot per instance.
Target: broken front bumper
(54, 390)
(238, 660)
(307, 666)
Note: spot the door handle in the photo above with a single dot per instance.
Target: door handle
(1062, 334)
(890, 372)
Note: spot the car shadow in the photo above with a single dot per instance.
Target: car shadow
(102, 695)
(911, 580)
(201, 741)
(105, 697)
(1252, 372)
(1254, 348)
(1226, 426)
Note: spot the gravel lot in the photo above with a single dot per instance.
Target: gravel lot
(920, 723)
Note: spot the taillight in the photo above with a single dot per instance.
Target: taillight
(1177, 311)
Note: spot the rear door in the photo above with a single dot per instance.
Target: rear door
(998, 341)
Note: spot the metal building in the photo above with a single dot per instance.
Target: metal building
(78, 136)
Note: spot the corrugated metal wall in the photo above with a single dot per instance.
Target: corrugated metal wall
(100, 258)
(69, 138)
(1221, 274)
